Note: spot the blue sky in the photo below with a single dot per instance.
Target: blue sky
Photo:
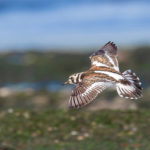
(72, 24)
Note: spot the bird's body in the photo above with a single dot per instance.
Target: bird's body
(103, 73)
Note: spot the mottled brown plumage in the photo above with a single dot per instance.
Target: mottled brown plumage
(104, 72)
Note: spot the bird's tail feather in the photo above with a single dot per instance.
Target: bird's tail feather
(130, 87)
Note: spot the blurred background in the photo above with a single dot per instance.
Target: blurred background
(42, 42)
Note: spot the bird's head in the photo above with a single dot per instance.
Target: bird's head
(72, 79)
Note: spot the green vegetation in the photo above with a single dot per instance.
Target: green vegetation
(75, 129)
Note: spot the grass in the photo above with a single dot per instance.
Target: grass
(74, 130)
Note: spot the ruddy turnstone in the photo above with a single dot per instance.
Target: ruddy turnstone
(103, 73)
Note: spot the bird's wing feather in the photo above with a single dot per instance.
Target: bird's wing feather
(85, 92)
(106, 56)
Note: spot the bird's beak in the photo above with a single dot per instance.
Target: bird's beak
(65, 83)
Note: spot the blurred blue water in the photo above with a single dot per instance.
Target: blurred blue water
(52, 86)
(68, 23)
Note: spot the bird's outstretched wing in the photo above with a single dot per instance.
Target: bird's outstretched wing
(106, 57)
(85, 92)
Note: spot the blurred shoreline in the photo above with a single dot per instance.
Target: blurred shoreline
(33, 79)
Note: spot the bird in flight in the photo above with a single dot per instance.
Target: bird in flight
(103, 73)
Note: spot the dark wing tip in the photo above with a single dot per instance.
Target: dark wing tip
(112, 44)
(109, 46)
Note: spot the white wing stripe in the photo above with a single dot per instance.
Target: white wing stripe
(96, 63)
(111, 74)
(110, 59)
(98, 86)
(112, 62)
